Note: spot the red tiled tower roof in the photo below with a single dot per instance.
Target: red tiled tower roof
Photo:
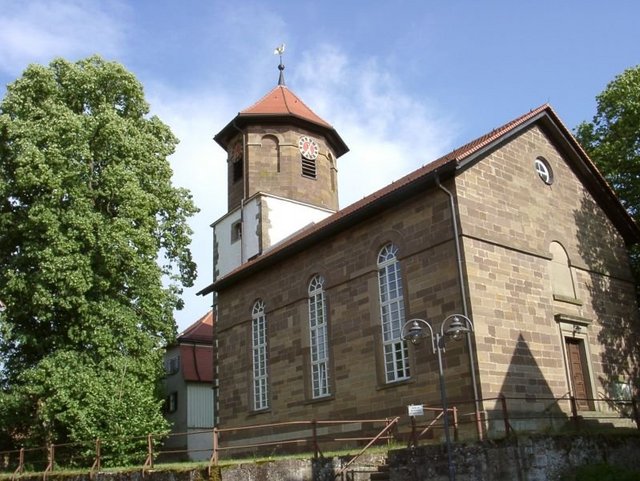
(282, 101)
(282, 106)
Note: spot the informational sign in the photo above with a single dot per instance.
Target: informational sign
(415, 409)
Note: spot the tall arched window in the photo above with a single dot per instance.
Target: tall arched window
(259, 347)
(318, 338)
(396, 353)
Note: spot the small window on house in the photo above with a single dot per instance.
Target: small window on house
(544, 170)
(236, 231)
(171, 403)
(173, 365)
(309, 168)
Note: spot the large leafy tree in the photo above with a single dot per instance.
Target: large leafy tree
(612, 138)
(93, 253)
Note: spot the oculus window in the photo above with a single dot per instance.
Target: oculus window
(543, 169)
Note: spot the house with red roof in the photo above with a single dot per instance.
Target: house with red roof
(189, 402)
(513, 240)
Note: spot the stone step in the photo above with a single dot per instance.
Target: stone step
(382, 474)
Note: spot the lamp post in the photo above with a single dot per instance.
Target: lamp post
(455, 326)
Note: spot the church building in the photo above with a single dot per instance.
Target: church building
(516, 232)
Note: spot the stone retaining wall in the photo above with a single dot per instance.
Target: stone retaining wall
(534, 458)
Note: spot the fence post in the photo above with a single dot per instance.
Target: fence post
(20, 468)
(214, 455)
(216, 440)
(314, 431)
(150, 449)
(574, 411)
(636, 413)
(505, 415)
(98, 454)
(148, 464)
(51, 458)
(413, 441)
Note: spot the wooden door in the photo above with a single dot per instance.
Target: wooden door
(578, 372)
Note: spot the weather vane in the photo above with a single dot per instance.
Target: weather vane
(279, 51)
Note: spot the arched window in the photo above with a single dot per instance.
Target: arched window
(259, 347)
(396, 354)
(560, 272)
(318, 338)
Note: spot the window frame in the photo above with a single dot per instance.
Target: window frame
(543, 169)
(259, 357)
(171, 402)
(318, 339)
(392, 315)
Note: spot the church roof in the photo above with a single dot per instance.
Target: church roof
(280, 106)
(443, 167)
(282, 101)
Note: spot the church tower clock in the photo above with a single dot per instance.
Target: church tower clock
(281, 175)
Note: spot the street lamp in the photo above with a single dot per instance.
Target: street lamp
(455, 326)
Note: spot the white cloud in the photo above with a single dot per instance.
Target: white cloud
(37, 31)
(389, 133)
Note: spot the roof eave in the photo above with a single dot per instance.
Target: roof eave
(330, 227)
(583, 165)
(223, 137)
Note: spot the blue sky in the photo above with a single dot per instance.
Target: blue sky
(402, 81)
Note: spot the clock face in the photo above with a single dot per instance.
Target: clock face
(308, 147)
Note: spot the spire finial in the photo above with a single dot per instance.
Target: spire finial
(279, 51)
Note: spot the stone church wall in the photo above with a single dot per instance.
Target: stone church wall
(509, 218)
(422, 230)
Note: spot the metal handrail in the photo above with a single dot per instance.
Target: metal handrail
(389, 425)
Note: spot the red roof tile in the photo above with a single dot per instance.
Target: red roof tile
(196, 361)
(200, 331)
(196, 350)
(282, 101)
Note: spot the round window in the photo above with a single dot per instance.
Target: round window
(544, 171)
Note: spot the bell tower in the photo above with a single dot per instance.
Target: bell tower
(281, 175)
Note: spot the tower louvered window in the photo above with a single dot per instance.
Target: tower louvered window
(396, 353)
(309, 168)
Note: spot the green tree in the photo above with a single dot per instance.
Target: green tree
(612, 138)
(93, 253)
